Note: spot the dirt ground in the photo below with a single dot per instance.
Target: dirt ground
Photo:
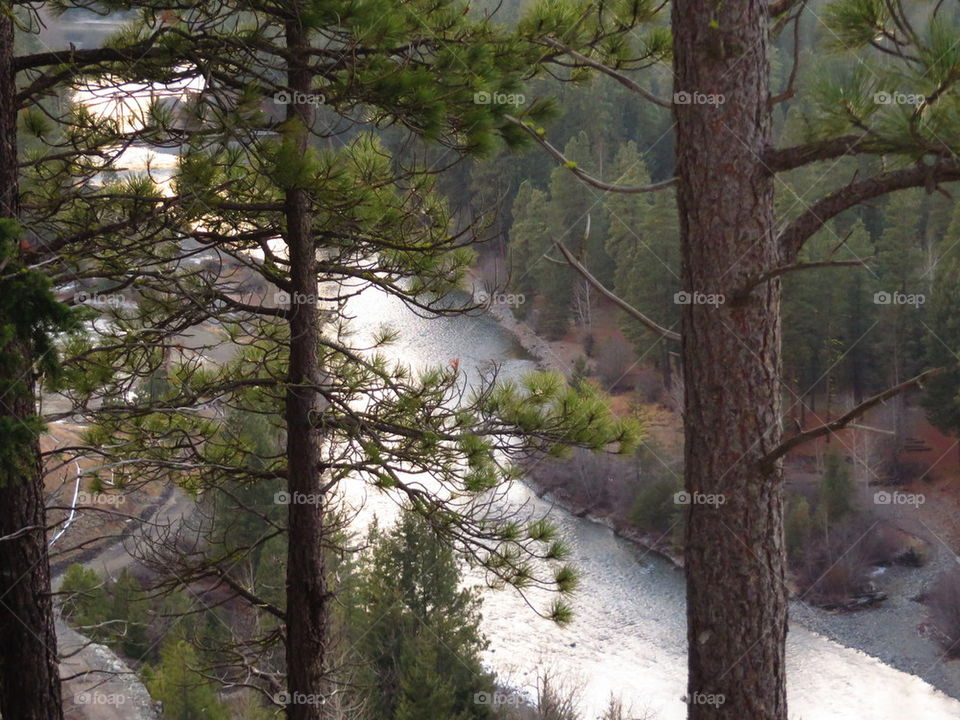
(100, 517)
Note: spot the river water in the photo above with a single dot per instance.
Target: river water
(628, 636)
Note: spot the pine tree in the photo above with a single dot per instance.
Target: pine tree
(797, 527)
(425, 692)
(50, 150)
(290, 219)
(860, 310)
(177, 683)
(836, 488)
(529, 239)
(941, 398)
(576, 219)
(728, 162)
(644, 239)
(416, 628)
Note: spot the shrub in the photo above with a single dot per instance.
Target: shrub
(580, 372)
(552, 322)
(653, 507)
(84, 597)
(613, 362)
(589, 345)
(836, 569)
(836, 488)
(114, 613)
(944, 603)
(177, 683)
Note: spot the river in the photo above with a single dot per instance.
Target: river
(628, 636)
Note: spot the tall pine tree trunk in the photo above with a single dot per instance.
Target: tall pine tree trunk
(308, 595)
(29, 680)
(736, 598)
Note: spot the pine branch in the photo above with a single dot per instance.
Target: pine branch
(76, 58)
(618, 301)
(610, 72)
(796, 233)
(586, 177)
(781, 160)
(848, 417)
(784, 269)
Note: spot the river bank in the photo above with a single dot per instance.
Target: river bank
(894, 631)
(554, 356)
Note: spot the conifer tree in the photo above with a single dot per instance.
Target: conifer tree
(282, 209)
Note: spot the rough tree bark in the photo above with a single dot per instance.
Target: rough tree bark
(29, 679)
(736, 598)
(308, 594)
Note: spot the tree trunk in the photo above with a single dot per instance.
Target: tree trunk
(308, 594)
(29, 679)
(736, 597)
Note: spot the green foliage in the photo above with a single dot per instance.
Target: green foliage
(855, 23)
(424, 693)
(177, 683)
(116, 612)
(941, 398)
(415, 628)
(556, 416)
(29, 318)
(653, 506)
(837, 489)
(84, 596)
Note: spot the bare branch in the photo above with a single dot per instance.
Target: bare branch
(790, 90)
(250, 597)
(619, 302)
(795, 234)
(848, 417)
(780, 7)
(784, 269)
(780, 160)
(610, 72)
(587, 178)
